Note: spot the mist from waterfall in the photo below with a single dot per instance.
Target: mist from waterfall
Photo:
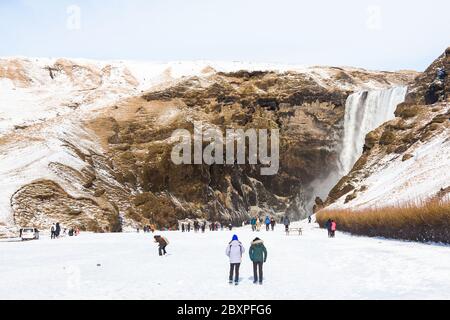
(365, 111)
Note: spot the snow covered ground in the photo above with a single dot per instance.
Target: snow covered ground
(298, 267)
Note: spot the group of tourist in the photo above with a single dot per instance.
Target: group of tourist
(55, 231)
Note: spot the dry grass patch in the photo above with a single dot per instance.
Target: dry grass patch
(425, 221)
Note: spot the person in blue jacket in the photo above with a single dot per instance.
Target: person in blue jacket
(267, 223)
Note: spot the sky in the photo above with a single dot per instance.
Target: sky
(375, 34)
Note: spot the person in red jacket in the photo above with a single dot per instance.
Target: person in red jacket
(333, 228)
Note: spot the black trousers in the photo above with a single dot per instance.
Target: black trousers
(234, 269)
(267, 227)
(162, 249)
(258, 267)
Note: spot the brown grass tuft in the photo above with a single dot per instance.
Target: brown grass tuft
(425, 221)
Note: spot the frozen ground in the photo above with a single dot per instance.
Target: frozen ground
(306, 267)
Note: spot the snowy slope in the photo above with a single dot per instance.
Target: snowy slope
(388, 179)
(307, 267)
(399, 182)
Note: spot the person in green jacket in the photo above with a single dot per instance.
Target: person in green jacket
(258, 254)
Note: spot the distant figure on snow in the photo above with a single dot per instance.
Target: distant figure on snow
(267, 223)
(53, 232)
(309, 219)
(328, 226)
(253, 223)
(286, 223)
(234, 251)
(272, 223)
(258, 224)
(163, 243)
(333, 228)
(57, 230)
(258, 254)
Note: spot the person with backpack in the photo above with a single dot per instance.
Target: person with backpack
(267, 223)
(163, 243)
(234, 251)
(258, 255)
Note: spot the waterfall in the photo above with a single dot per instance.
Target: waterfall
(364, 112)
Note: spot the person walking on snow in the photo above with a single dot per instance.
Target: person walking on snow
(163, 243)
(195, 226)
(234, 251)
(286, 223)
(333, 228)
(258, 254)
(272, 223)
(57, 230)
(328, 226)
(267, 223)
(253, 223)
(309, 219)
(258, 224)
(52, 232)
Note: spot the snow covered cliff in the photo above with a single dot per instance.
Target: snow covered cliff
(83, 142)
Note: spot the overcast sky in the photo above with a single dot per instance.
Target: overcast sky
(376, 34)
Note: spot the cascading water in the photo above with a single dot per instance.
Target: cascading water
(364, 112)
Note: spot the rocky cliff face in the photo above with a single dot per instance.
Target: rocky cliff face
(408, 158)
(110, 168)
